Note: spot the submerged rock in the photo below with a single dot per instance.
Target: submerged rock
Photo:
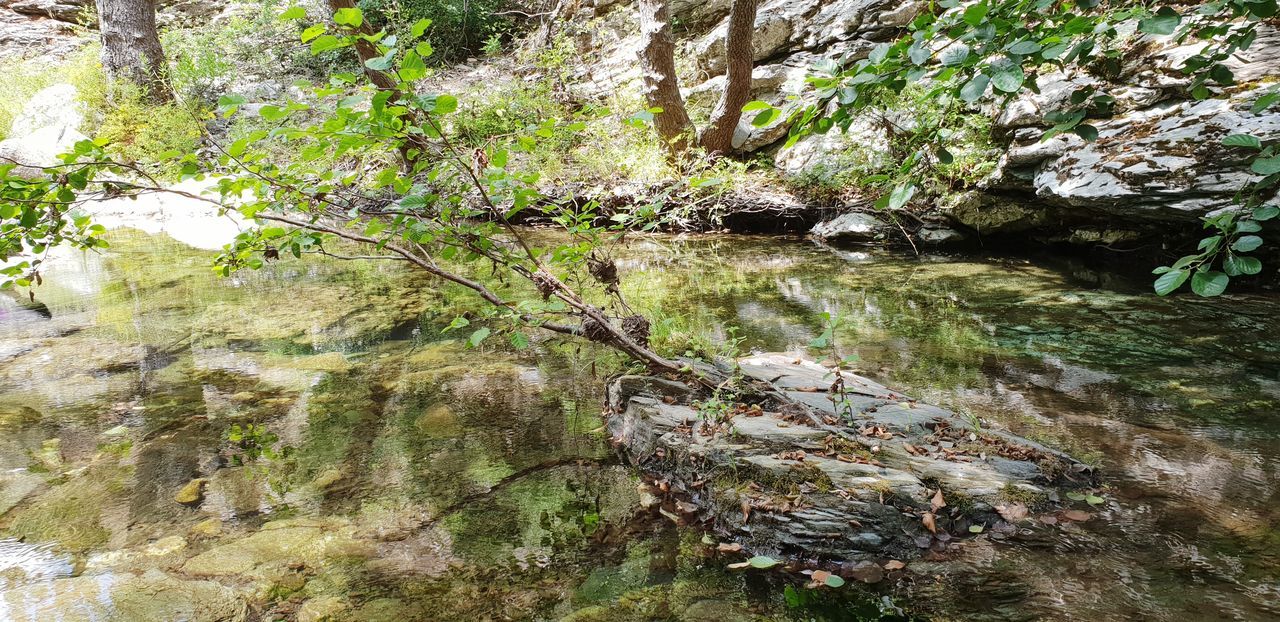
(192, 493)
(875, 480)
(123, 598)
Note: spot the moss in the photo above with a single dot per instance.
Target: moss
(1021, 494)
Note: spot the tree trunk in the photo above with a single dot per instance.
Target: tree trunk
(658, 66)
(131, 49)
(739, 59)
(366, 50)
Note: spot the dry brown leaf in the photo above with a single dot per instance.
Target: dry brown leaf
(729, 547)
(738, 566)
(937, 503)
(929, 523)
(820, 576)
(894, 564)
(746, 510)
(1077, 515)
(1012, 512)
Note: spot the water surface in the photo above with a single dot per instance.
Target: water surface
(349, 457)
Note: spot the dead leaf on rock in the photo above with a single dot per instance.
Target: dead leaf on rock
(1012, 511)
(1049, 520)
(937, 503)
(738, 566)
(1077, 515)
(729, 547)
(746, 510)
(894, 564)
(929, 522)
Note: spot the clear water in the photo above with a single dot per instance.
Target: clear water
(412, 479)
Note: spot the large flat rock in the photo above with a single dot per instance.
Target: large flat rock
(786, 474)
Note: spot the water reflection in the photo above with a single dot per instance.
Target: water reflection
(448, 483)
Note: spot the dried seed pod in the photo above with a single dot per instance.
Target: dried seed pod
(545, 283)
(637, 328)
(595, 331)
(603, 270)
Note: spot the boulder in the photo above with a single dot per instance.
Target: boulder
(71, 11)
(48, 127)
(869, 473)
(853, 227)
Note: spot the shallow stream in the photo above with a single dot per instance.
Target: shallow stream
(304, 441)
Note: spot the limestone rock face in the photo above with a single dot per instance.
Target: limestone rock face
(793, 478)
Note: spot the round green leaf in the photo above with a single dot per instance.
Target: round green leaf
(1266, 166)
(1164, 22)
(1208, 284)
(1009, 79)
(1266, 212)
(762, 561)
(1236, 265)
(1024, 48)
(1246, 243)
(835, 581)
(954, 55)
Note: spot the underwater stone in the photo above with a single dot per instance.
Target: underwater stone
(192, 493)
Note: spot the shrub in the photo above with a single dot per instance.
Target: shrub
(459, 28)
(139, 132)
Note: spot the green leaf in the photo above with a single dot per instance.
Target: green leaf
(1025, 48)
(974, 89)
(975, 528)
(753, 106)
(445, 103)
(325, 43)
(1246, 244)
(519, 341)
(1008, 79)
(1222, 75)
(1086, 131)
(1242, 140)
(834, 581)
(1076, 496)
(1264, 102)
(294, 12)
(420, 27)
(1266, 166)
(478, 337)
(1209, 283)
(313, 31)
(944, 156)
(1170, 281)
(1094, 500)
(413, 68)
(762, 561)
(1266, 212)
(976, 14)
(954, 55)
(900, 195)
(1164, 22)
(350, 17)
(766, 117)
(1236, 265)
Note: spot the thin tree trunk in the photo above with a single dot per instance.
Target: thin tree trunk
(661, 88)
(131, 49)
(366, 50)
(739, 59)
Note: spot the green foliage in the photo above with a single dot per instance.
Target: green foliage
(136, 131)
(459, 28)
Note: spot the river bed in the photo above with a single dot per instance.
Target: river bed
(305, 442)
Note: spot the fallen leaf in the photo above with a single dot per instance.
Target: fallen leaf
(729, 547)
(762, 561)
(738, 566)
(820, 576)
(929, 523)
(894, 564)
(1049, 520)
(937, 503)
(1012, 511)
(975, 528)
(746, 510)
(1077, 515)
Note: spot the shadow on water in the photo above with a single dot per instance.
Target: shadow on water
(306, 441)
